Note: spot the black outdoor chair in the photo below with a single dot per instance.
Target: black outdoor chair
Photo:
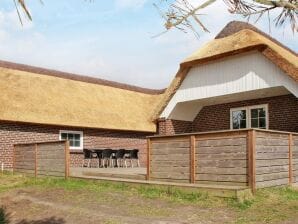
(119, 157)
(106, 157)
(99, 155)
(132, 156)
(88, 155)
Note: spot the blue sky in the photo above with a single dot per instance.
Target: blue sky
(109, 39)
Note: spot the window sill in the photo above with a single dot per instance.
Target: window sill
(76, 151)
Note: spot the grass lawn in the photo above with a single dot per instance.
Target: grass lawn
(26, 200)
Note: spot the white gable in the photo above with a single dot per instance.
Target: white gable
(228, 78)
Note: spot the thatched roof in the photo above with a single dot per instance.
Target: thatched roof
(235, 38)
(34, 95)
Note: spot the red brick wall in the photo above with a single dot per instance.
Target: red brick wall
(15, 133)
(170, 127)
(283, 116)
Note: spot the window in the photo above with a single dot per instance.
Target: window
(75, 138)
(249, 117)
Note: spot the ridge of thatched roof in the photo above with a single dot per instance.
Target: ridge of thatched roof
(77, 77)
(236, 37)
(236, 26)
(32, 97)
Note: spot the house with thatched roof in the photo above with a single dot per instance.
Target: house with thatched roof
(241, 79)
(39, 105)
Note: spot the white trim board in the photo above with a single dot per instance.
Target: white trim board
(242, 73)
(74, 132)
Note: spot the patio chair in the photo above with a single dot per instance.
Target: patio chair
(88, 155)
(133, 155)
(106, 157)
(119, 157)
(99, 155)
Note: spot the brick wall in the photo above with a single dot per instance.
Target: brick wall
(170, 127)
(16, 133)
(283, 116)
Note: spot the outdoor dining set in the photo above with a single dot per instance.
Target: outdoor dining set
(111, 157)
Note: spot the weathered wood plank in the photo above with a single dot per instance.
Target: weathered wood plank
(222, 178)
(222, 156)
(169, 163)
(271, 142)
(217, 170)
(221, 183)
(221, 142)
(221, 149)
(271, 183)
(171, 157)
(275, 162)
(271, 149)
(222, 163)
(171, 180)
(166, 151)
(172, 175)
(50, 173)
(270, 156)
(170, 169)
(272, 176)
(21, 170)
(271, 169)
(181, 144)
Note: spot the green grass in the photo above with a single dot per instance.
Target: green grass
(168, 193)
(270, 205)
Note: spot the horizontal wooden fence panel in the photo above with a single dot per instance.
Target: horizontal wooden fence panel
(295, 158)
(24, 159)
(42, 159)
(255, 158)
(170, 160)
(51, 159)
(222, 160)
(272, 159)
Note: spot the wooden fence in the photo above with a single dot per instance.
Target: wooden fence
(251, 157)
(42, 159)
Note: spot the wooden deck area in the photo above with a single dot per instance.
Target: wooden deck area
(123, 173)
(137, 176)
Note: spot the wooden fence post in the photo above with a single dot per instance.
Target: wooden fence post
(13, 159)
(251, 150)
(148, 158)
(290, 158)
(192, 159)
(35, 165)
(67, 158)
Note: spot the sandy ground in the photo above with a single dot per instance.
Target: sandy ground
(26, 206)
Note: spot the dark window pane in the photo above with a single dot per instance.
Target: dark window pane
(254, 123)
(70, 136)
(262, 113)
(77, 144)
(243, 124)
(236, 125)
(71, 143)
(262, 122)
(254, 113)
(77, 137)
(237, 116)
(63, 136)
(241, 114)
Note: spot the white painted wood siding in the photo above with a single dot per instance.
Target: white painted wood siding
(237, 74)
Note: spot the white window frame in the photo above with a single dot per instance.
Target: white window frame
(73, 132)
(248, 115)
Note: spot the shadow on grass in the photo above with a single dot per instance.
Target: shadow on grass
(51, 220)
(4, 216)
(5, 219)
